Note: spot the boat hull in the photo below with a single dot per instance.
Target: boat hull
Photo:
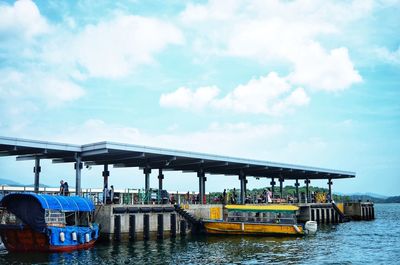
(238, 228)
(26, 239)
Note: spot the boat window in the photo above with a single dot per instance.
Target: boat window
(83, 219)
(262, 217)
(70, 218)
(55, 218)
(7, 217)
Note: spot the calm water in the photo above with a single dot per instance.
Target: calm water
(362, 242)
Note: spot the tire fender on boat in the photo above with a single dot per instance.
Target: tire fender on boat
(74, 237)
(62, 237)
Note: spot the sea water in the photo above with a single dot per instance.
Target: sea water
(362, 242)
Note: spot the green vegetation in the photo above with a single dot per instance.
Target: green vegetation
(291, 191)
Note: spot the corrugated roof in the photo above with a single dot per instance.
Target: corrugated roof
(129, 155)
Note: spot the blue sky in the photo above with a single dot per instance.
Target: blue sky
(304, 82)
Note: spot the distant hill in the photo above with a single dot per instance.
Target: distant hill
(8, 182)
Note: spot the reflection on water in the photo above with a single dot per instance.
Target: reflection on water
(350, 243)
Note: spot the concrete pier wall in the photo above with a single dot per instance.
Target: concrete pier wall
(360, 210)
(105, 216)
(117, 219)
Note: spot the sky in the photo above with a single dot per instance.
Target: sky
(312, 83)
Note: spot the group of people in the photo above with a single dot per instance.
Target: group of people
(193, 198)
(108, 195)
(64, 188)
(232, 197)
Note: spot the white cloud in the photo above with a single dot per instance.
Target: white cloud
(23, 19)
(113, 48)
(333, 71)
(187, 99)
(271, 95)
(391, 57)
(270, 31)
(36, 86)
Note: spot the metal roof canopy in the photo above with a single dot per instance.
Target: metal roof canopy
(127, 155)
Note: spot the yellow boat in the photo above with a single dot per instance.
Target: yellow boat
(272, 220)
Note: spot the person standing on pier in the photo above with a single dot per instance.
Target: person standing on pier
(66, 189)
(111, 194)
(224, 197)
(234, 196)
(269, 196)
(62, 187)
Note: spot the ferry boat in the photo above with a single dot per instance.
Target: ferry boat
(47, 223)
(265, 220)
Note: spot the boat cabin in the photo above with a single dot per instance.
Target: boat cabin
(268, 214)
(39, 211)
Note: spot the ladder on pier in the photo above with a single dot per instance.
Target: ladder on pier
(342, 216)
(195, 223)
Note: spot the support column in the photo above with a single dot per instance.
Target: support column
(297, 184)
(78, 169)
(147, 171)
(201, 176)
(106, 174)
(160, 185)
(281, 180)
(160, 179)
(273, 183)
(330, 189)
(243, 181)
(204, 189)
(307, 182)
(36, 170)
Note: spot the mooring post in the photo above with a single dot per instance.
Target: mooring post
(36, 170)
(160, 226)
(146, 226)
(183, 227)
(78, 169)
(173, 225)
(117, 227)
(132, 227)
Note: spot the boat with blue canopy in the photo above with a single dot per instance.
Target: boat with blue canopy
(50, 223)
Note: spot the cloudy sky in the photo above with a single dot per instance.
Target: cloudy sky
(303, 82)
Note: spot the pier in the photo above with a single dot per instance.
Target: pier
(136, 215)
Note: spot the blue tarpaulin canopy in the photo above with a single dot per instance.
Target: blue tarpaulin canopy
(53, 202)
(30, 207)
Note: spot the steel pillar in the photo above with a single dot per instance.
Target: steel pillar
(273, 183)
(160, 180)
(106, 174)
(147, 171)
(36, 170)
(330, 189)
(78, 169)
(297, 184)
(281, 180)
(243, 181)
(307, 182)
(201, 176)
